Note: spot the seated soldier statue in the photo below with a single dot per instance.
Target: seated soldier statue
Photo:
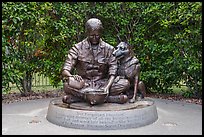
(95, 66)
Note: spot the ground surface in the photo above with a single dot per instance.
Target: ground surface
(16, 97)
(28, 117)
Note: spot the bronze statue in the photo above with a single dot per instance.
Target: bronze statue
(129, 68)
(96, 68)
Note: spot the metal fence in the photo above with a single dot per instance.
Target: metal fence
(40, 80)
(37, 81)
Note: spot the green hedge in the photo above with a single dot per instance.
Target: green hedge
(166, 37)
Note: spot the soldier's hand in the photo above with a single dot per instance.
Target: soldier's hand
(77, 77)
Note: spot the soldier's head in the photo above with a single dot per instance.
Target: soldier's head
(93, 30)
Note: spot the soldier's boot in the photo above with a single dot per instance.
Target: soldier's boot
(68, 99)
(121, 99)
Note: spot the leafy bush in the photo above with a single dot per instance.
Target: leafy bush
(167, 38)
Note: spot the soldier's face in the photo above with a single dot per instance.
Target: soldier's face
(94, 36)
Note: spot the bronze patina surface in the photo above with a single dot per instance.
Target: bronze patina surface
(95, 65)
(97, 93)
(129, 68)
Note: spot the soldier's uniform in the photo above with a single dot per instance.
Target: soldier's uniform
(95, 67)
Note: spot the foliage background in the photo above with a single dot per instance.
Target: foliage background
(167, 39)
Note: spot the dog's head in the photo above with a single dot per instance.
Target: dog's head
(122, 50)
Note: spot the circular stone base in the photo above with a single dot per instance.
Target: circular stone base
(102, 117)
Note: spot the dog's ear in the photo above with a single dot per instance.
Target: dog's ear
(128, 44)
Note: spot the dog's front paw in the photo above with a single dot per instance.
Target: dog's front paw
(132, 100)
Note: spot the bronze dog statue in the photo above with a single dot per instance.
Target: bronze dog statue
(129, 68)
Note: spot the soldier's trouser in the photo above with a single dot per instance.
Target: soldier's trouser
(119, 86)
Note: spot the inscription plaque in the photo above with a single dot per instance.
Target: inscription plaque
(106, 119)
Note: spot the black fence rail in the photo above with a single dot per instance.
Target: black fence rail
(40, 80)
(37, 81)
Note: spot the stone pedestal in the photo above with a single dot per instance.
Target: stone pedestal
(106, 116)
